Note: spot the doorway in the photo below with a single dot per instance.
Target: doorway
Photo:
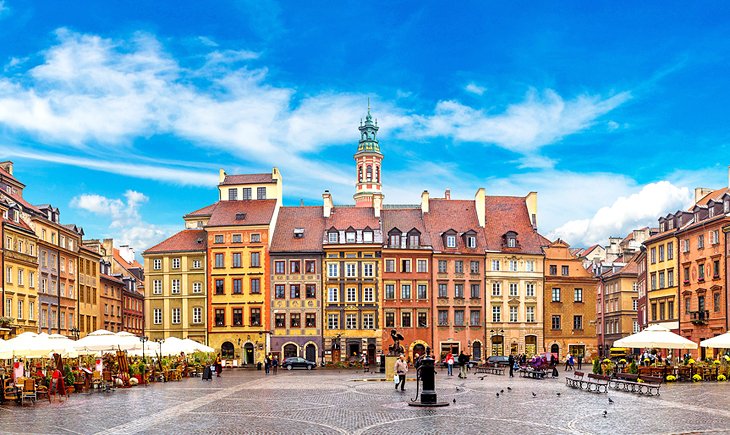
(371, 353)
(353, 350)
(290, 350)
(530, 345)
(311, 352)
(497, 345)
(248, 353)
(418, 349)
(555, 350)
(227, 350)
(476, 350)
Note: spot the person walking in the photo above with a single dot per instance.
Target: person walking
(401, 369)
(218, 366)
(267, 364)
(580, 362)
(511, 361)
(450, 364)
(275, 363)
(463, 362)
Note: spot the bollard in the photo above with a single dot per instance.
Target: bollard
(427, 375)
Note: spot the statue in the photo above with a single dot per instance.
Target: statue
(396, 349)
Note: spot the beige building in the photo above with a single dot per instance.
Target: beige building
(619, 295)
(89, 282)
(175, 299)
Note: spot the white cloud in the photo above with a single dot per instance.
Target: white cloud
(125, 221)
(636, 210)
(475, 89)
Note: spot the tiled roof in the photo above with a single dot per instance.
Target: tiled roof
(7, 174)
(308, 219)
(205, 211)
(509, 213)
(247, 179)
(184, 241)
(134, 264)
(20, 200)
(111, 278)
(255, 212)
(716, 195)
(357, 217)
(20, 224)
(405, 220)
(456, 214)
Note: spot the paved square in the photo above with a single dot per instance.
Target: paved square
(331, 401)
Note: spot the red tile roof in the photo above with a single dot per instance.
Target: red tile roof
(456, 214)
(205, 211)
(405, 220)
(247, 179)
(257, 212)
(111, 278)
(20, 224)
(716, 195)
(309, 219)
(184, 241)
(509, 213)
(357, 217)
(7, 174)
(134, 264)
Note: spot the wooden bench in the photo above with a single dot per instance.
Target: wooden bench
(533, 373)
(591, 382)
(630, 384)
(494, 370)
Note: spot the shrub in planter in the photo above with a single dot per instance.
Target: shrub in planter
(596, 366)
(622, 361)
(671, 378)
(690, 361)
(696, 378)
(721, 378)
(633, 368)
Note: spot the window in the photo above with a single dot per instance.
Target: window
(513, 314)
(219, 287)
(310, 291)
(700, 241)
(661, 252)
(368, 321)
(653, 311)
(556, 294)
(496, 289)
(670, 250)
(422, 319)
(176, 316)
(261, 192)
(9, 275)
(333, 321)
(20, 276)
(350, 237)
(332, 237)
(157, 287)
(670, 309)
(529, 314)
(459, 291)
(294, 292)
(458, 317)
(279, 267)
(662, 281)
(31, 310)
(236, 259)
(685, 245)
(255, 316)
(237, 286)
(716, 269)
(279, 320)
(219, 260)
(495, 265)
(310, 320)
(686, 275)
(443, 317)
(176, 263)
(196, 264)
(471, 242)
(513, 289)
(700, 272)
(279, 291)
(390, 319)
(413, 240)
(176, 286)
(450, 241)
(333, 295)
(715, 296)
(555, 322)
(246, 193)
(578, 295)
(255, 285)
(565, 270)
(333, 270)
(390, 265)
(350, 270)
(635, 304)
(530, 289)
(367, 270)
(255, 259)
(476, 291)
(513, 265)
(686, 305)
(389, 291)
(395, 241)
(670, 278)
(636, 327)
(715, 237)
(553, 270)
(442, 266)
(443, 290)
(197, 315)
(459, 266)
(578, 322)
(653, 255)
(294, 266)
(157, 316)
(475, 317)
(368, 294)
(367, 236)
(405, 319)
(295, 320)
(496, 313)
(405, 291)
(31, 279)
(20, 310)
(218, 238)
(405, 266)
(351, 321)
(237, 317)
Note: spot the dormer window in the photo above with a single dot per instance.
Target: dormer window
(414, 239)
(395, 240)
(510, 239)
(298, 233)
(726, 207)
(712, 210)
(350, 236)
(367, 235)
(451, 241)
(332, 236)
(240, 216)
(511, 242)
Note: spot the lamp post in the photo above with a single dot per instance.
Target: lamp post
(75, 333)
(144, 340)
(159, 356)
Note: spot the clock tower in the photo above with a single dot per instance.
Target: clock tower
(368, 160)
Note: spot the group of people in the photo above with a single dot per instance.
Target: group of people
(271, 364)
(462, 359)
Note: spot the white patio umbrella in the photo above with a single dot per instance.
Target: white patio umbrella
(4, 353)
(656, 336)
(199, 347)
(23, 345)
(106, 341)
(719, 342)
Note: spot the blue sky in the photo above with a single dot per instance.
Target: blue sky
(121, 116)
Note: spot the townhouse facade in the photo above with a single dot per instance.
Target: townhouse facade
(89, 280)
(619, 299)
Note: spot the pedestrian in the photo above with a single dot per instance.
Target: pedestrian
(450, 363)
(401, 369)
(57, 385)
(580, 362)
(511, 361)
(567, 362)
(463, 362)
(364, 361)
(218, 366)
(275, 363)
(267, 364)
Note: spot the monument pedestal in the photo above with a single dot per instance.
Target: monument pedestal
(390, 367)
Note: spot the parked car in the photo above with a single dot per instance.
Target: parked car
(498, 361)
(295, 362)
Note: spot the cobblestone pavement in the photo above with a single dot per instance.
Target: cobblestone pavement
(331, 401)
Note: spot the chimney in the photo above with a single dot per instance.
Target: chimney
(480, 206)
(701, 192)
(447, 194)
(424, 202)
(531, 202)
(221, 176)
(7, 166)
(377, 204)
(327, 206)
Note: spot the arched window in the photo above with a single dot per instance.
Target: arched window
(291, 350)
(377, 174)
(227, 350)
(555, 349)
(476, 350)
(369, 173)
(359, 173)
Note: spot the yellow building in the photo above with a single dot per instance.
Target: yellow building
(88, 290)
(175, 284)
(620, 292)
(662, 276)
(352, 281)
(19, 272)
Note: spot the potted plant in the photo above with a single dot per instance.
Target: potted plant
(721, 378)
(696, 378)
(596, 366)
(671, 378)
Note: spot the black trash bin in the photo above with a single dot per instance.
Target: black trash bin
(258, 366)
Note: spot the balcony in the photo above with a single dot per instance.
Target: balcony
(699, 317)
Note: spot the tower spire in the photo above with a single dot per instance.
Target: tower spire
(368, 160)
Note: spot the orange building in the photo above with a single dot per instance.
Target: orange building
(407, 294)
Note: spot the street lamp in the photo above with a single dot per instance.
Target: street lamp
(75, 333)
(159, 357)
(143, 339)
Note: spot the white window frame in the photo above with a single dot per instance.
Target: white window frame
(368, 294)
(351, 294)
(333, 294)
(156, 287)
(176, 263)
(495, 265)
(157, 316)
(333, 270)
(197, 315)
(451, 241)
(175, 287)
(197, 287)
(368, 270)
(176, 317)
(157, 264)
